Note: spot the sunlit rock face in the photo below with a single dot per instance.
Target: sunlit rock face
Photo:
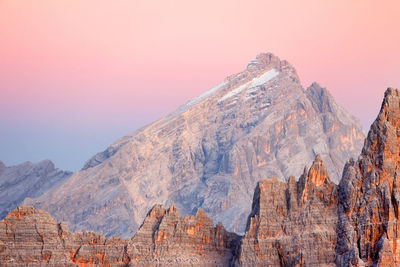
(30, 237)
(27, 180)
(191, 240)
(210, 153)
(292, 223)
(369, 195)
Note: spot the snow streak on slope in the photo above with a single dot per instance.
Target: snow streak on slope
(197, 100)
(265, 77)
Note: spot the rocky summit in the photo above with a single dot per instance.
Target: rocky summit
(210, 153)
(369, 195)
(27, 180)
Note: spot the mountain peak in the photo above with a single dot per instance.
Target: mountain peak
(369, 192)
(381, 147)
(265, 61)
(391, 103)
(316, 177)
(317, 173)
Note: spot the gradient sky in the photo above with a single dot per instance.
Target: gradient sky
(76, 75)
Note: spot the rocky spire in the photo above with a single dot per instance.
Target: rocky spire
(369, 228)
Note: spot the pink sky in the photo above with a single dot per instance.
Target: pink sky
(91, 71)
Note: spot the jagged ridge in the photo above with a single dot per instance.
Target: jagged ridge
(30, 236)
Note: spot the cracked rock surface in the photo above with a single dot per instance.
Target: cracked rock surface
(369, 195)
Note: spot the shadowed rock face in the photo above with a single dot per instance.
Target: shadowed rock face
(210, 153)
(29, 236)
(26, 180)
(369, 195)
(292, 223)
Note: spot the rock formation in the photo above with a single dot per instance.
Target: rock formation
(292, 223)
(309, 222)
(167, 239)
(210, 153)
(26, 180)
(369, 195)
(32, 237)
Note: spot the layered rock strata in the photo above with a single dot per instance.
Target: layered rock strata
(292, 223)
(210, 153)
(369, 195)
(31, 237)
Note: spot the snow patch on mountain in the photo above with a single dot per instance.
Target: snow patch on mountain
(197, 100)
(260, 80)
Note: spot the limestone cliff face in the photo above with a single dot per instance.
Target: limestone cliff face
(210, 153)
(292, 223)
(32, 237)
(27, 180)
(369, 195)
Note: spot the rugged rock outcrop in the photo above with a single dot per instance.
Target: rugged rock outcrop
(292, 223)
(369, 195)
(165, 238)
(32, 237)
(26, 180)
(210, 153)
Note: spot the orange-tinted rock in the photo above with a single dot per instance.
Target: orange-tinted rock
(369, 229)
(29, 236)
(165, 238)
(293, 223)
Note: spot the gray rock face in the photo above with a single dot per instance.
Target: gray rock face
(210, 153)
(26, 180)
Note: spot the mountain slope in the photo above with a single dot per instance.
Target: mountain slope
(210, 153)
(26, 180)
